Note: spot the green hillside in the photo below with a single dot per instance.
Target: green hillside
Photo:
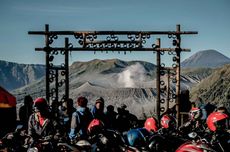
(215, 88)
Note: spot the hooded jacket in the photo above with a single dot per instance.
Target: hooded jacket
(79, 123)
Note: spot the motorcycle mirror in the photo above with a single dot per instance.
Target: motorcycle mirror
(192, 135)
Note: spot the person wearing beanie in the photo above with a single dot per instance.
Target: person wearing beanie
(40, 122)
(98, 110)
(82, 102)
(80, 120)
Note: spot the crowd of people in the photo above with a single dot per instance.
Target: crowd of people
(40, 119)
(77, 122)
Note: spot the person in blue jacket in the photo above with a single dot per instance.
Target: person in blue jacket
(80, 120)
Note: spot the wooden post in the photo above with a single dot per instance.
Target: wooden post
(158, 57)
(66, 69)
(178, 50)
(47, 62)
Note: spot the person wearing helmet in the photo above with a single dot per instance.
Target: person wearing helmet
(103, 139)
(195, 123)
(195, 113)
(168, 122)
(170, 133)
(217, 123)
(156, 140)
(151, 124)
(40, 123)
(80, 120)
(168, 127)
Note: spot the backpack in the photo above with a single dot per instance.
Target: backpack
(83, 121)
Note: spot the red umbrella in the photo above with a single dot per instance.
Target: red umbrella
(7, 100)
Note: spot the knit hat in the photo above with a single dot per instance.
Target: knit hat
(100, 100)
(39, 100)
(82, 101)
(123, 106)
(40, 104)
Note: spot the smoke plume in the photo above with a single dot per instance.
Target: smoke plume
(132, 76)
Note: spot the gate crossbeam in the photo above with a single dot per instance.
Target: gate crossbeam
(111, 32)
(112, 49)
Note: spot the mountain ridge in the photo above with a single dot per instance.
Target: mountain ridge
(205, 58)
(129, 82)
(117, 81)
(14, 75)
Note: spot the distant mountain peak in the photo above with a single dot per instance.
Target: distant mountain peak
(207, 59)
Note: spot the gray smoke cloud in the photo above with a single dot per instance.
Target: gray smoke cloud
(132, 76)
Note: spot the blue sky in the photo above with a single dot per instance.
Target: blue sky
(209, 17)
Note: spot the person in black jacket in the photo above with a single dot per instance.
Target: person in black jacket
(111, 115)
(98, 111)
(25, 111)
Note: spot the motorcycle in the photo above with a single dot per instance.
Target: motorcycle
(196, 144)
(13, 141)
(79, 146)
(42, 144)
(108, 140)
